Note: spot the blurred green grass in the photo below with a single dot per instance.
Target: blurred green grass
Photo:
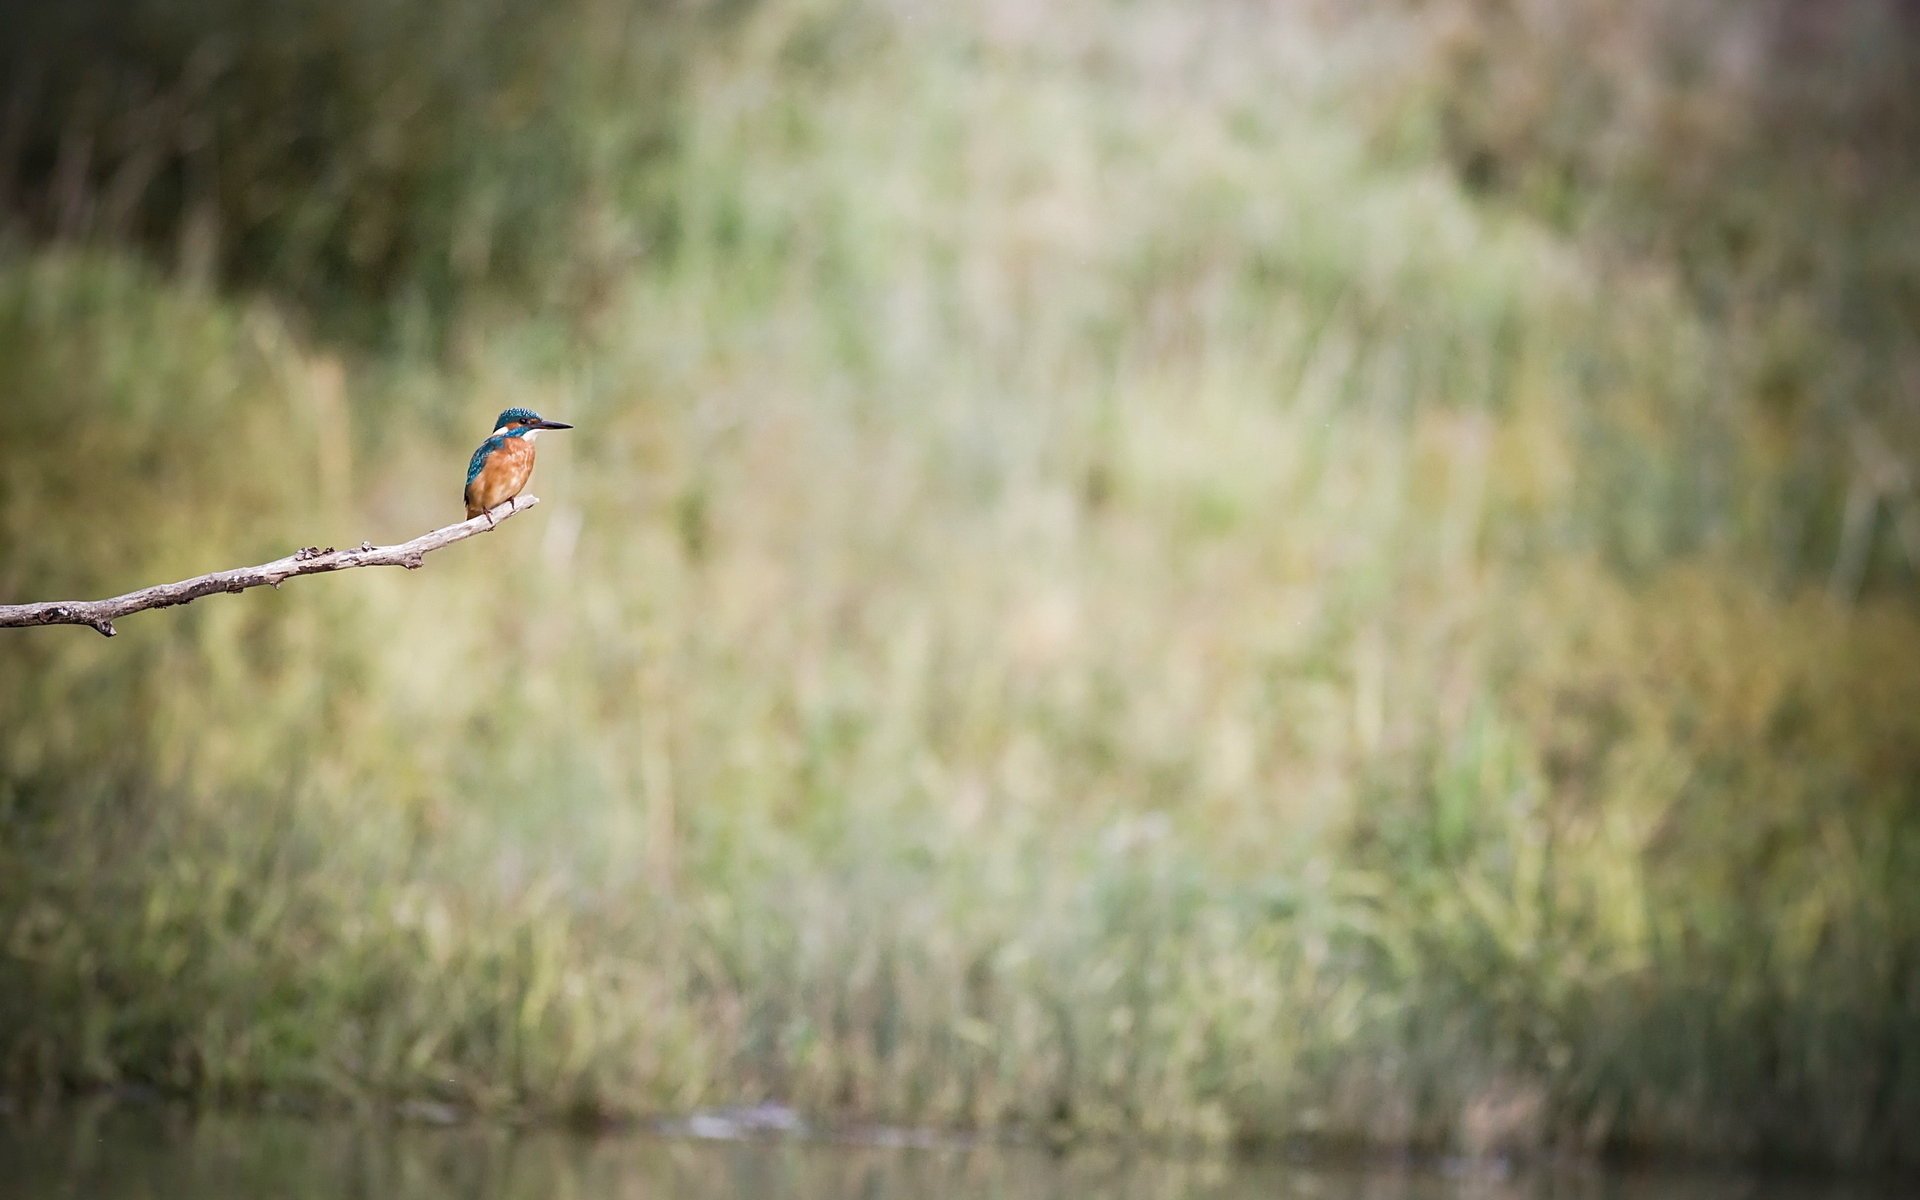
(1100, 589)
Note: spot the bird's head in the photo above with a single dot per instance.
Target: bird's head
(524, 422)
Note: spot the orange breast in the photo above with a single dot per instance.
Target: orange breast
(506, 472)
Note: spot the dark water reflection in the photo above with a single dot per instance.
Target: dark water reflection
(155, 1155)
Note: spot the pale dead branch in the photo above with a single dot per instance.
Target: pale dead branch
(313, 560)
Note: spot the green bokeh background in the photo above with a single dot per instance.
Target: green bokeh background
(1208, 572)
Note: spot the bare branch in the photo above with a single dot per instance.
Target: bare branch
(101, 614)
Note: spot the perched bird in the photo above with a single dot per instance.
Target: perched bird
(504, 462)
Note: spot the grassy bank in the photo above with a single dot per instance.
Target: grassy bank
(1100, 589)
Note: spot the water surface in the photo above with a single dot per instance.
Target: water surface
(157, 1154)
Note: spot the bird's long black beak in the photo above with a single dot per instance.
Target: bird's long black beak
(545, 424)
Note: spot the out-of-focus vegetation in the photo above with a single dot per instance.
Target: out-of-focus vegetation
(1190, 570)
(1766, 157)
(389, 167)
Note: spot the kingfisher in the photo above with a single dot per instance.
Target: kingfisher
(504, 462)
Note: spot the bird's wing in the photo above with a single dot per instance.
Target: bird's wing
(479, 459)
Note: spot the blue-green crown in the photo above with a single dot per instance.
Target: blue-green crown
(515, 414)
